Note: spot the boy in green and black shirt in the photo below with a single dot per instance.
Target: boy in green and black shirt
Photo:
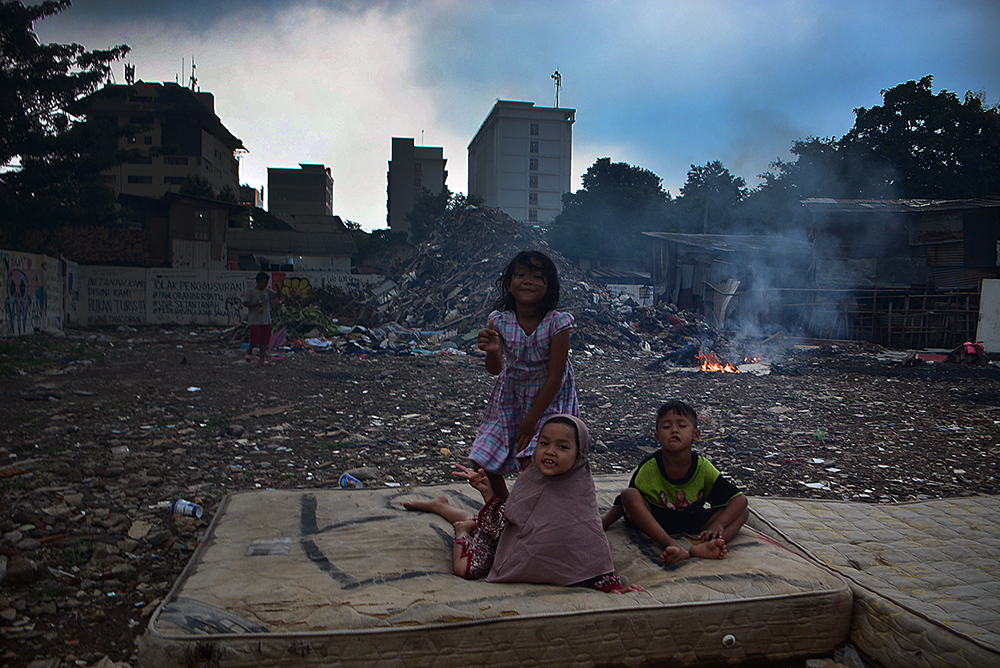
(669, 489)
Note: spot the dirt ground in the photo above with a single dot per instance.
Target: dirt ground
(101, 430)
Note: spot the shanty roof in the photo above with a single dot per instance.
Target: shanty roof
(828, 205)
(737, 243)
(321, 244)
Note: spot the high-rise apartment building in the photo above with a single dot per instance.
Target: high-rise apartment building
(521, 160)
(307, 191)
(172, 132)
(411, 169)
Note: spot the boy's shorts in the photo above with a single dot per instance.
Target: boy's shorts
(260, 335)
(674, 522)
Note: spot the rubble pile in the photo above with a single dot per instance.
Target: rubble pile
(449, 287)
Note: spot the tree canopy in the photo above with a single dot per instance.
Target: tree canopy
(429, 208)
(709, 196)
(607, 216)
(53, 176)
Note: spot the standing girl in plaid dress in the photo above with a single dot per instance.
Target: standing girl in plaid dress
(526, 342)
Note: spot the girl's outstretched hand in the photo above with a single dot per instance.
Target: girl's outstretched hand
(525, 432)
(489, 339)
(477, 479)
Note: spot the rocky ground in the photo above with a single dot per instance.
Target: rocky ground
(101, 431)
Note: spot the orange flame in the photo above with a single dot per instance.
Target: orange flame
(710, 363)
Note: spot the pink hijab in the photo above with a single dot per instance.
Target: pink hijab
(554, 533)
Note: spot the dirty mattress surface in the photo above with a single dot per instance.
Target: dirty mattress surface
(925, 575)
(348, 577)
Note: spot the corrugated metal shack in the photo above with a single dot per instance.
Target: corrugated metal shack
(738, 282)
(901, 273)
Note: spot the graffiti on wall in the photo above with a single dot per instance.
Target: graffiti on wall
(134, 296)
(24, 305)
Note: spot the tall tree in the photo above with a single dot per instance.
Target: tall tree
(709, 196)
(608, 215)
(429, 208)
(939, 145)
(51, 176)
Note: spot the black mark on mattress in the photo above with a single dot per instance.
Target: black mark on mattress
(309, 526)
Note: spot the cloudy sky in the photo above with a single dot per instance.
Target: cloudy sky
(657, 84)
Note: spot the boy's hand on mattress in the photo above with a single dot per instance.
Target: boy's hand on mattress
(711, 532)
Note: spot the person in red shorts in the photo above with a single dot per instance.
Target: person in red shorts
(258, 301)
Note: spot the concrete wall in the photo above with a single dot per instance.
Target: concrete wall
(130, 296)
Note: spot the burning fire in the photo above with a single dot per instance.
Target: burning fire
(710, 363)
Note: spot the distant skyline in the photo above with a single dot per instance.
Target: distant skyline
(659, 85)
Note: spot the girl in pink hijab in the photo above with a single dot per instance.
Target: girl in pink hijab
(549, 529)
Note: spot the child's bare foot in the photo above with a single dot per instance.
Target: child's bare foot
(425, 506)
(673, 554)
(710, 549)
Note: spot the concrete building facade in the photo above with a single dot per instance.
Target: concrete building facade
(521, 160)
(174, 134)
(306, 191)
(411, 169)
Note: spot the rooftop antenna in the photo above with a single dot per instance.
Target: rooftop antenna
(129, 74)
(557, 78)
(193, 82)
(421, 137)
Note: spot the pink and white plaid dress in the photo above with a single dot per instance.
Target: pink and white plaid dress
(526, 368)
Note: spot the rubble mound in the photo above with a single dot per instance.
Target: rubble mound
(450, 283)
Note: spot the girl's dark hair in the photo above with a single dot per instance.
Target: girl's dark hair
(534, 260)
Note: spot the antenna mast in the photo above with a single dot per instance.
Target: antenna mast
(193, 82)
(557, 78)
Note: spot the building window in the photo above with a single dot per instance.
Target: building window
(201, 224)
(416, 182)
(147, 140)
(533, 147)
(173, 180)
(533, 181)
(532, 199)
(140, 160)
(534, 129)
(417, 167)
(140, 179)
(175, 160)
(533, 164)
(208, 165)
(533, 215)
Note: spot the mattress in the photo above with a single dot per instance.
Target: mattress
(925, 575)
(349, 578)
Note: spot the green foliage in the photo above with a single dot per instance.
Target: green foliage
(197, 186)
(429, 209)
(55, 179)
(939, 146)
(607, 216)
(709, 196)
(915, 145)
